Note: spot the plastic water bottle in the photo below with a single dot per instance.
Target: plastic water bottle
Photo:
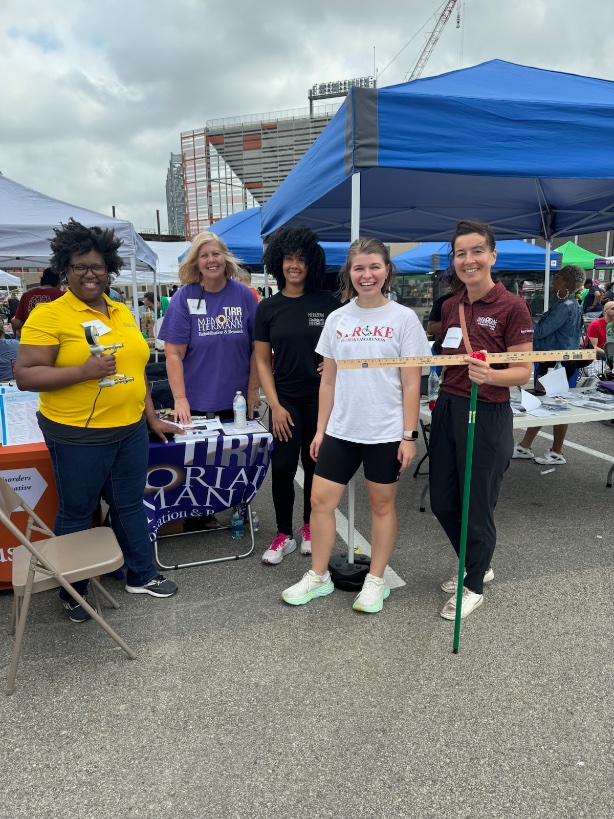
(236, 524)
(255, 521)
(239, 408)
(433, 388)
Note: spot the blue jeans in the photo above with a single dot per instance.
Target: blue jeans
(118, 472)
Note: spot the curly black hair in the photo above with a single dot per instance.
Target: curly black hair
(75, 239)
(290, 241)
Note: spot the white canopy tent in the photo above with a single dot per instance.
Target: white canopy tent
(27, 220)
(8, 280)
(167, 266)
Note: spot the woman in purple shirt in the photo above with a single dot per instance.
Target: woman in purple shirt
(208, 330)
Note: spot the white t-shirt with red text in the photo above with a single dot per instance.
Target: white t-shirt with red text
(368, 404)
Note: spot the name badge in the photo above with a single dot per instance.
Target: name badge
(453, 338)
(100, 327)
(196, 309)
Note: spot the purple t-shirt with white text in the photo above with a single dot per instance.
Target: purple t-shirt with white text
(218, 334)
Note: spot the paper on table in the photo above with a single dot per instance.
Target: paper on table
(205, 423)
(18, 418)
(542, 412)
(529, 401)
(251, 426)
(196, 434)
(555, 382)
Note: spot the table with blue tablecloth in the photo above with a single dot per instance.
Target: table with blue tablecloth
(188, 479)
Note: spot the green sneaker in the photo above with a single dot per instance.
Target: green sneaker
(308, 587)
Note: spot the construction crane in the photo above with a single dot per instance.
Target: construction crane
(434, 37)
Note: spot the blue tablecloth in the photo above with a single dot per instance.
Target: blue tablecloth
(195, 478)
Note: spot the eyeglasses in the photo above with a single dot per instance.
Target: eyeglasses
(81, 269)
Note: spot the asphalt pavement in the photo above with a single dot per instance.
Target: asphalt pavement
(241, 706)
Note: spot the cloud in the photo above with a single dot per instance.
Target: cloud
(96, 94)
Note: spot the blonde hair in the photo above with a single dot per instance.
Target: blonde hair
(370, 246)
(188, 270)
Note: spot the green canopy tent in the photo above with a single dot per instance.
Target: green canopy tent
(574, 254)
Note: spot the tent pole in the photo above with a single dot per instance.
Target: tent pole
(135, 302)
(157, 307)
(547, 276)
(354, 234)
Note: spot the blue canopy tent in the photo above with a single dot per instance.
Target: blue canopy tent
(241, 232)
(512, 254)
(526, 150)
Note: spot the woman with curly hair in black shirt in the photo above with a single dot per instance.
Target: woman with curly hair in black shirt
(288, 326)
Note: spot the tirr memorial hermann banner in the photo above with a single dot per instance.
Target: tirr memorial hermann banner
(200, 477)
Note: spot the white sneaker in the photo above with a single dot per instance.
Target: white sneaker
(449, 586)
(551, 457)
(281, 546)
(374, 591)
(309, 586)
(471, 601)
(523, 452)
(306, 539)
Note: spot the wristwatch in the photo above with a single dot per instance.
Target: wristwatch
(410, 434)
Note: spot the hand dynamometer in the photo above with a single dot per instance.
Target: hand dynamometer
(92, 336)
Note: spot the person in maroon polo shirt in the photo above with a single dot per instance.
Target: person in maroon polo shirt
(496, 321)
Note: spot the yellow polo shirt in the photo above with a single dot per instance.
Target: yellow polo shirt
(60, 322)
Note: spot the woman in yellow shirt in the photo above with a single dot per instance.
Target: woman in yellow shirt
(97, 436)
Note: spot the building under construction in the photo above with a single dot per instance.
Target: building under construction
(239, 162)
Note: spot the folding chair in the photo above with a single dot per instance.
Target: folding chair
(608, 349)
(56, 561)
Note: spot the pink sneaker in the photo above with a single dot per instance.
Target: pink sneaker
(306, 541)
(281, 546)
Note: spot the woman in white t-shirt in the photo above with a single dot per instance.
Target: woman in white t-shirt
(366, 415)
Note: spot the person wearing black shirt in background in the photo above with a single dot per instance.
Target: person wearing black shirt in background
(288, 325)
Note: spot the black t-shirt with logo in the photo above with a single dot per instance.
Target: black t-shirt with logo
(292, 326)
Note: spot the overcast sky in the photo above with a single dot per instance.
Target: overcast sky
(95, 93)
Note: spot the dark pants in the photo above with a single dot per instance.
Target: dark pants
(118, 472)
(285, 457)
(493, 447)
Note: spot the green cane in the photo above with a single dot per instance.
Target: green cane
(473, 403)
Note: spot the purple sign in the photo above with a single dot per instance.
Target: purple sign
(196, 478)
(609, 262)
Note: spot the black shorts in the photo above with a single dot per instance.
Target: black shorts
(338, 461)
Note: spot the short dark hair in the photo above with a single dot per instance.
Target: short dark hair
(75, 239)
(50, 277)
(464, 228)
(467, 226)
(290, 241)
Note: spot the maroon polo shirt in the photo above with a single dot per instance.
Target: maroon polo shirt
(496, 322)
